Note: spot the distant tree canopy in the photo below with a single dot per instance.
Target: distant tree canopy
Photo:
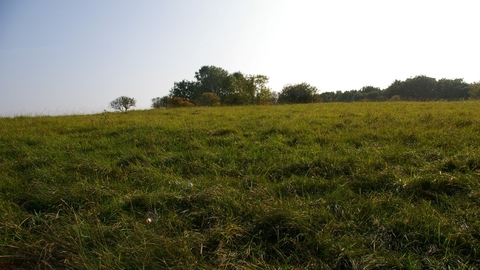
(231, 89)
(169, 102)
(159, 102)
(421, 88)
(297, 93)
(123, 103)
(176, 102)
(427, 88)
(215, 86)
(208, 99)
(474, 92)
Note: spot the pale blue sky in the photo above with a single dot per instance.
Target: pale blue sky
(64, 57)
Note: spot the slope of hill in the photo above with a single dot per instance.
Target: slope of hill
(345, 186)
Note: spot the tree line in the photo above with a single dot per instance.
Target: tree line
(214, 86)
(419, 88)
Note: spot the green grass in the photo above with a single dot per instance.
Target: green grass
(318, 186)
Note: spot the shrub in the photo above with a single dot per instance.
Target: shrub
(208, 99)
(178, 102)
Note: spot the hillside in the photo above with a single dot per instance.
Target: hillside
(315, 186)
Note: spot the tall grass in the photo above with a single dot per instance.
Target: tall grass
(318, 186)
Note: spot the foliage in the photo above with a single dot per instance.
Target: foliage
(212, 79)
(123, 103)
(159, 102)
(168, 102)
(185, 89)
(177, 102)
(427, 88)
(389, 185)
(297, 93)
(240, 89)
(447, 89)
(395, 98)
(232, 89)
(208, 99)
(474, 92)
(419, 88)
(262, 94)
(371, 93)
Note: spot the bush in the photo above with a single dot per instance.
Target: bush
(208, 99)
(178, 102)
(159, 102)
(474, 92)
(298, 93)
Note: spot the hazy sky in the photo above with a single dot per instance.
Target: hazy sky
(63, 57)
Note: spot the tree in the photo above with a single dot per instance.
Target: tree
(208, 99)
(212, 79)
(474, 92)
(347, 96)
(240, 88)
(418, 88)
(327, 97)
(274, 97)
(232, 89)
(123, 103)
(262, 94)
(159, 102)
(370, 93)
(185, 89)
(451, 89)
(297, 93)
(395, 89)
(247, 89)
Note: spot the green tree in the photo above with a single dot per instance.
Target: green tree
(327, 97)
(232, 89)
(159, 102)
(241, 90)
(185, 89)
(474, 92)
(395, 89)
(262, 94)
(297, 93)
(451, 89)
(418, 88)
(274, 97)
(370, 93)
(347, 96)
(212, 79)
(123, 103)
(208, 99)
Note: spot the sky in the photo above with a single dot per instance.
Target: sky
(74, 57)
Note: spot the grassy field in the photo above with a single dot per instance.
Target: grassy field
(317, 186)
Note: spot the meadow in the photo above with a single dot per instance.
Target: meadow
(366, 185)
